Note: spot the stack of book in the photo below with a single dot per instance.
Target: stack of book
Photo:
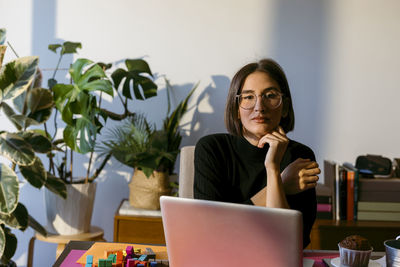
(379, 199)
(324, 202)
(355, 198)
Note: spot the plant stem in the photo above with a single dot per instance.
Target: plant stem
(71, 163)
(50, 156)
(58, 64)
(98, 170)
(12, 49)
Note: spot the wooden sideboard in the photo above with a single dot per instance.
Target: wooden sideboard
(138, 226)
(326, 234)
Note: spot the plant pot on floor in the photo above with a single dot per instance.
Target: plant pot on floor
(145, 192)
(72, 215)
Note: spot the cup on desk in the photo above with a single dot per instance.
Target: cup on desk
(392, 248)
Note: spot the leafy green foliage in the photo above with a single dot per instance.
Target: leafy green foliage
(16, 76)
(78, 105)
(3, 32)
(142, 86)
(17, 219)
(9, 190)
(31, 106)
(138, 145)
(66, 47)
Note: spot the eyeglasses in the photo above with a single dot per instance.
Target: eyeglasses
(272, 99)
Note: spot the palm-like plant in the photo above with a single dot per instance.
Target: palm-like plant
(138, 144)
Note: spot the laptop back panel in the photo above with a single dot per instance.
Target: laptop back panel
(208, 233)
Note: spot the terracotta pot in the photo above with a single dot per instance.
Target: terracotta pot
(145, 191)
(72, 215)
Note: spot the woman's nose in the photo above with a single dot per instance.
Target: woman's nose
(259, 104)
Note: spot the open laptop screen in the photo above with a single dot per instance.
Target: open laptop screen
(208, 233)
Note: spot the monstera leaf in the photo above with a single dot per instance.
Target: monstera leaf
(66, 47)
(16, 76)
(142, 86)
(9, 190)
(78, 106)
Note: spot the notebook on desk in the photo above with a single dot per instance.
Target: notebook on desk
(202, 233)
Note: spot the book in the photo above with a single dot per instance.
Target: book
(324, 215)
(324, 207)
(352, 191)
(379, 206)
(379, 184)
(379, 196)
(342, 189)
(378, 216)
(324, 199)
(337, 198)
(330, 182)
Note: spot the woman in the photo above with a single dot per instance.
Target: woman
(256, 163)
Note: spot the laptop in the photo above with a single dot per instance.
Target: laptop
(201, 233)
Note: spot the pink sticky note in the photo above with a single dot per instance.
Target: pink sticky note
(73, 256)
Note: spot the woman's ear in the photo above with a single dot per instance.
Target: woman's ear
(285, 109)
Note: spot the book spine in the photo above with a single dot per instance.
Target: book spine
(324, 207)
(324, 215)
(378, 196)
(350, 195)
(342, 194)
(336, 191)
(379, 206)
(356, 182)
(378, 216)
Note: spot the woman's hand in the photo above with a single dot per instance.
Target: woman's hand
(278, 142)
(300, 175)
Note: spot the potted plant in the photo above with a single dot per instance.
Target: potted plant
(151, 152)
(79, 104)
(25, 104)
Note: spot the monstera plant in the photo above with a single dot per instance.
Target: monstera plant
(27, 106)
(79, 105)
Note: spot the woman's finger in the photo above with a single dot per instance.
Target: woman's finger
(310, 179)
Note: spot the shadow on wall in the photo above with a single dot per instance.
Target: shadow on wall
(212, 98)
(300, 45)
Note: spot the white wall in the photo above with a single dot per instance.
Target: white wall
(341, 57)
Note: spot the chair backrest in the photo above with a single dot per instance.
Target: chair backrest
(186, 172)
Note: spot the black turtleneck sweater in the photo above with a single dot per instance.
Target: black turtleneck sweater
(230, 169)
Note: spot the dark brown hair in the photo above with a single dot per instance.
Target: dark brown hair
(275, 71)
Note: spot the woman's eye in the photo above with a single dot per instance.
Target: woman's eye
(248, 97)
(271, 95)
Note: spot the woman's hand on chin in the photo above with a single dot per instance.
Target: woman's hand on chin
(300, 175)
(278, 142)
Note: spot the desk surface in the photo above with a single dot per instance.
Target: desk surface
(316, 255)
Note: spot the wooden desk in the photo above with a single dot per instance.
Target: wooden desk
(138, 227)
(326, 234)
(95, 234)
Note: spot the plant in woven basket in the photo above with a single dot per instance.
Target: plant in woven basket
(138, 144)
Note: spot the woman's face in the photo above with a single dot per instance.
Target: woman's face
(261, 119)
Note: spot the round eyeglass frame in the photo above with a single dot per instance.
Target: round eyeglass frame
(280, 102)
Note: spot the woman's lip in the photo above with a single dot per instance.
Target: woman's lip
(260, 119)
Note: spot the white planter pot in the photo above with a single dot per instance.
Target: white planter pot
(72, 215)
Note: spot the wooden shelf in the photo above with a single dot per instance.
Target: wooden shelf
(141, 229)
(326, 234)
